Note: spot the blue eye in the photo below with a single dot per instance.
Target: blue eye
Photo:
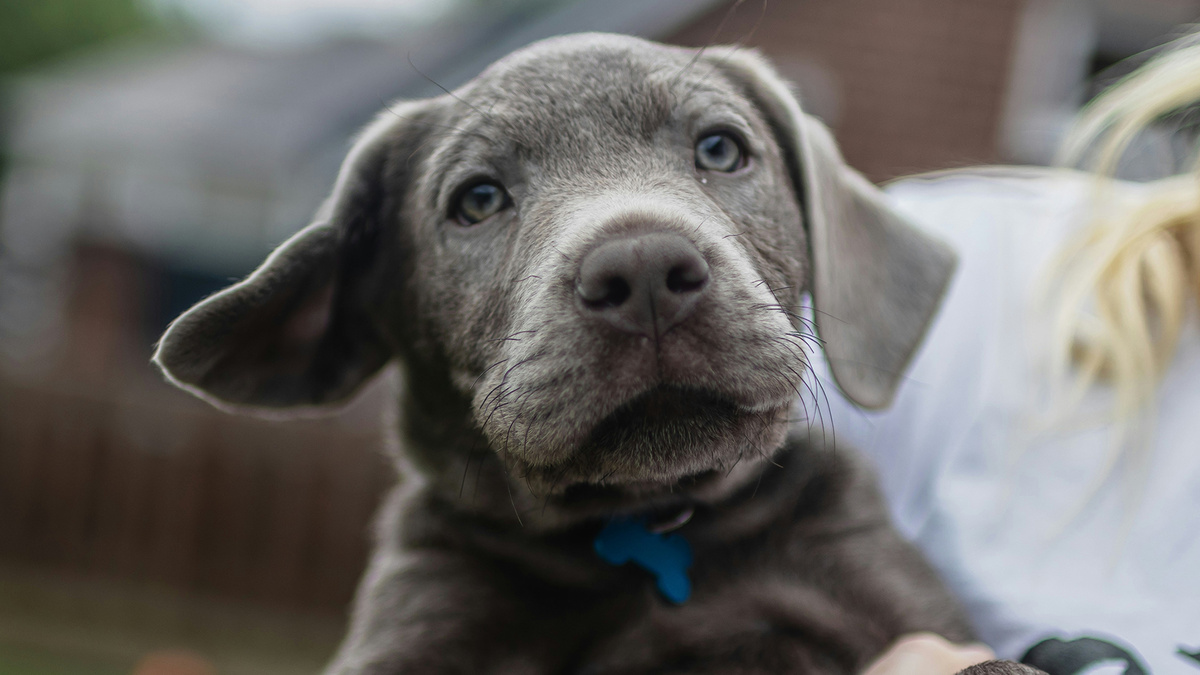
(719, 152)
(480, 202)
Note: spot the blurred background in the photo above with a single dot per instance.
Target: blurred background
(151, 151)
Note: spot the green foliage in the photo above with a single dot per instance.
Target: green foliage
(37, 30)
(27, 661)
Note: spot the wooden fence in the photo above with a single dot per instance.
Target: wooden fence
(158, 488)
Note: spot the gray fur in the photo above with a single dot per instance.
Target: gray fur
(523, 425)
(1001, 668)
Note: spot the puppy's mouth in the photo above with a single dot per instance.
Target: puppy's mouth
(662, 415)
(664, 447)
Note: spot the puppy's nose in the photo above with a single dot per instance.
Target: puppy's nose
(644, 284)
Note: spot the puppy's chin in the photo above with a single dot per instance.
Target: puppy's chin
(667, 446)
(590, 500)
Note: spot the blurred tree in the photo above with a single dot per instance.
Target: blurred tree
(36, 30)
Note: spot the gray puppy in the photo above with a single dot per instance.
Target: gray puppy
(589, 261)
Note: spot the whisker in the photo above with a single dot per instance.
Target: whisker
(485, 372)
(408, 57)
(513, 336)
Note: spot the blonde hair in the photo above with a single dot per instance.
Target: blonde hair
(1120, 288)
(1124, 282)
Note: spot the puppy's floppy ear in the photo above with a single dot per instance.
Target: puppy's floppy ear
(296, 332)
(876, 279)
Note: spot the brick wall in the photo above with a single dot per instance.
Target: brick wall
(919, 83)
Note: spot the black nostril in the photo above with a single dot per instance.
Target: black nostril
(687, 277)
(610, 293)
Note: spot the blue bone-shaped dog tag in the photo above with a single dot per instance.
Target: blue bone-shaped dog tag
(667, 557)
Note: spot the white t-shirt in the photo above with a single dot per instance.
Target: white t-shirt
(1022, 524)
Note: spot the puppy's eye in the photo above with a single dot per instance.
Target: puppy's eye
(719, 152)
(480, 202)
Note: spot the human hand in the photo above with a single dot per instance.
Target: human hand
(927, 654)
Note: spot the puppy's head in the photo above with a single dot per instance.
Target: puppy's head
(594, 255)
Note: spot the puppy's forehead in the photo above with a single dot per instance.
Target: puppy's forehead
(581, 63)
(591, 83)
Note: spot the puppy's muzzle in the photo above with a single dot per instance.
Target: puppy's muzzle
(644, 284)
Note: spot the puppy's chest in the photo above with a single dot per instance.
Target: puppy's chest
(758, 608)
(771, 622)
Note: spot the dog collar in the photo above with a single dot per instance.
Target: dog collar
(665, 554)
